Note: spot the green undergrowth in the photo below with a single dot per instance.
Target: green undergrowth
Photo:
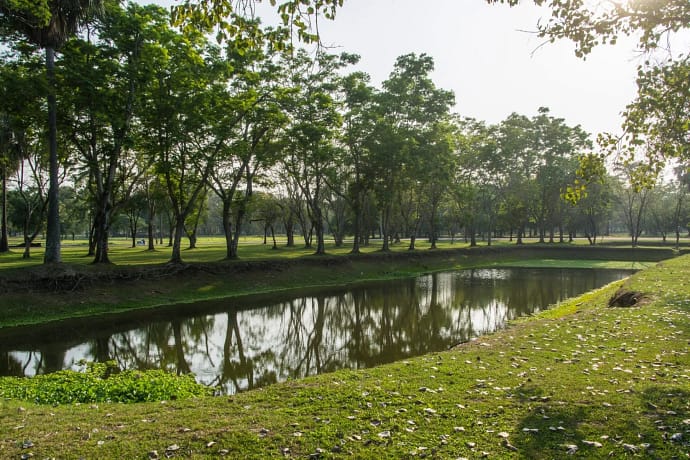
(581, 380)
(101, 382)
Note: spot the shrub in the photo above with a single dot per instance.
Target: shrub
(101, 382)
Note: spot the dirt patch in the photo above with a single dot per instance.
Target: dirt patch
(626, 298)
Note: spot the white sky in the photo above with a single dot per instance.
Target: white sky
(482, 53)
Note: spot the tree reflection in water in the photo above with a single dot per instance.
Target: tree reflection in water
(243, 346)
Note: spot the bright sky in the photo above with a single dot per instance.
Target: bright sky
(484, 55)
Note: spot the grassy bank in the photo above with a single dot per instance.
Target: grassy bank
(37, 294)
(580, 378)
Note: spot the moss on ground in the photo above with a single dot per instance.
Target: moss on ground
(581, 379)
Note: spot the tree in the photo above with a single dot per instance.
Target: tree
(247, 121)
(358, 123)
(591, 24)
(436, 171)
(557, 146)
(21, 147)
(179, 143)
(681, 214)
(660, 114)
(592, 208)
(48, 24)
(658, 118)
(7, 166)
(311, 135)
(410, 106)
(28, 199)
(133, 210)
(266, 208)
(107, 73)
(477, 178)
(517, 159)
(633, 201)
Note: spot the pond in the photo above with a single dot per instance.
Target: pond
(240, 344)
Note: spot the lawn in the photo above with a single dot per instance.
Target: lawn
(581, 379)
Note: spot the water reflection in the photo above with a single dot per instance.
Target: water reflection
(241, 345)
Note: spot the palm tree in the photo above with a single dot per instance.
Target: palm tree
(48, 24)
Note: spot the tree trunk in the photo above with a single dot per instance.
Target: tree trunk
(92, 239)
(273, 236)
(227, 231)
(27, 241)
(133, 227)
(191, 236)
(4, 240)
(52, 252)
(432, 224)
(384, 230)
(176, 257)
(238, 227)
(101, 234)
(151, 233)
(318, 226)
(290, 232)
(357, 210)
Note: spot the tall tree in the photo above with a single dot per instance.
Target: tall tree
(48, 24)
(633, 201)
(109, 70)
(7, 166)
(21, 91)
(557, 146)
(315, 118)
(477, 178)
(180, 102)
(358, 122)
(410, 107)
(246, 123)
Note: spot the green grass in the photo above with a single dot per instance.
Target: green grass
(211, 249)
(613, 382)
(572, 263)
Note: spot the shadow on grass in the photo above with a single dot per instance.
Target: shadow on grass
(654, 424)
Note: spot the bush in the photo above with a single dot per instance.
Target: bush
(101, 382)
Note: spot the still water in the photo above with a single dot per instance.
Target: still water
(237, 345)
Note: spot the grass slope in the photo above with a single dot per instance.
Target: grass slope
(580, 379)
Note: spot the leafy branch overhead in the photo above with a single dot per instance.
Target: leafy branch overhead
(656, 125)
(233, 18)
(589, 24)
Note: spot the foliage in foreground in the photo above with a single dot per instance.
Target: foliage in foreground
(101, 382)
